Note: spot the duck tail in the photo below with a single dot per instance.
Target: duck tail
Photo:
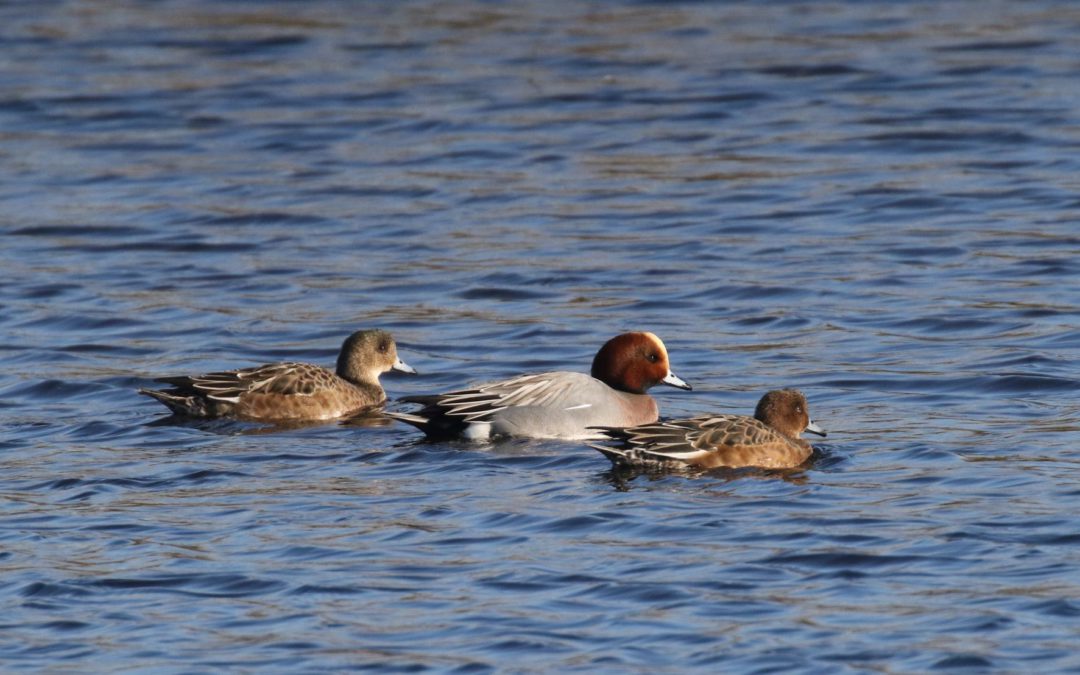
(618, 457)
(179, 405)
(418, 421)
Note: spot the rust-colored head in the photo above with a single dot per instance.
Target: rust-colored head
(785, 410)
(633, 362)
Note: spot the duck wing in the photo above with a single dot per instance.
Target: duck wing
(289, 378)
(480, 403)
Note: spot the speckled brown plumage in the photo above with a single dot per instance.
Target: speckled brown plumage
(290, 391)
(771, 439)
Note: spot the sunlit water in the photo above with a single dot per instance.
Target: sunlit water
(875, 202)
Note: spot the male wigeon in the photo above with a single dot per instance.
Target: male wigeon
(290, 391)
(771, 439)
(557, 404)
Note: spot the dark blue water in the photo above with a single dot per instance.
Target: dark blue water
(875, 202)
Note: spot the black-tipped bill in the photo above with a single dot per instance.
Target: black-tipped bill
(673, 380)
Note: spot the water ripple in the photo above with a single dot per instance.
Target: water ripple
(856, 199)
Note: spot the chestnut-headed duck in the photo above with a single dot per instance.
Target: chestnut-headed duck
(557, 404)
(771, 439)
(290, 391)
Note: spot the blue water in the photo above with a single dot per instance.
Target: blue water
(874, 202)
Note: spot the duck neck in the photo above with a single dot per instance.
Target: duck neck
(367, 383)
(364, 378)
(621, 380)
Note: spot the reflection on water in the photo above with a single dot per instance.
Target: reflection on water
(228, 427)
(874, 203)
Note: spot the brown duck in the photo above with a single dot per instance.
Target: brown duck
(290, 391)
(770, 439)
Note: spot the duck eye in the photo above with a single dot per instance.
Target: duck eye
(653, 358)
(383, 347)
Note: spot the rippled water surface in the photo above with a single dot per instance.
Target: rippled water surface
(875, 202)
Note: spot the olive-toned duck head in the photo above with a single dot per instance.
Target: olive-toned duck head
(366, 354)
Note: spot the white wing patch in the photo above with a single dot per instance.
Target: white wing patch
(659, 452)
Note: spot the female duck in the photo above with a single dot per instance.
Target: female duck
(556, 404)
(770, 439)
(290, 391)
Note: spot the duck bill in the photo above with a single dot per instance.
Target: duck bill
(673, 380)
(403, 367)
(815, 429)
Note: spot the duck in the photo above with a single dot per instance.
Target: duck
(560, 404)
(771, 439)
(290, 391)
